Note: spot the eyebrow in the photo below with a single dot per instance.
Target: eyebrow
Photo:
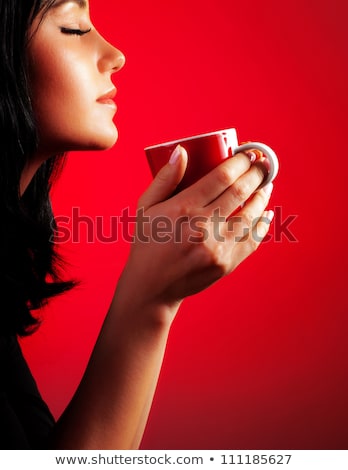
(80, 3)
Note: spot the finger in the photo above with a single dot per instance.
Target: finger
(240, 191)
(240, 225)
(252, 241)
(212, 185)
(166, 180)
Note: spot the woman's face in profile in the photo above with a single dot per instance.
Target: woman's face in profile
(70, 68)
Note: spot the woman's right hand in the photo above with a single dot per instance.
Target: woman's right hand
(183, 244)
(186, 242)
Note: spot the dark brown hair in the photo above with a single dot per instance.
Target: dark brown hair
(30, 269)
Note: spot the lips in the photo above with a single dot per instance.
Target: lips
(108, 98)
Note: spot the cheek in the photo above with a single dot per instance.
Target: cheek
(55, 83)
(64, 92)
(61, 100)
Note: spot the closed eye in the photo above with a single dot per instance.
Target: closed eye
(76, 32)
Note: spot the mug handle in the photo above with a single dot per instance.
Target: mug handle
(271, 156)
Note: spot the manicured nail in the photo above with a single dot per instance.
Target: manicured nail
(268, 189)
(269, 216)
(251, 155)
(175, 155)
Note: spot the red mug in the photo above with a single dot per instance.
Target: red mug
(205, 152)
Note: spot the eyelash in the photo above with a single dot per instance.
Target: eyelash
(76, 32)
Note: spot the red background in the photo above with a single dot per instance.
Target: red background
(258, 361)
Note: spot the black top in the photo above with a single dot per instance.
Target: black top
(25, 420)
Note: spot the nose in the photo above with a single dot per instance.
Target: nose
(111, 59)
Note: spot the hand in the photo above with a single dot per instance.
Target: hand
(186, 242)
(183, 244)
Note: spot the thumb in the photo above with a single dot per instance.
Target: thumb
(166, 180)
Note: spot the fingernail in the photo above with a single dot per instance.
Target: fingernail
(269, 216)
(251, 155)
(175, 155)
(268, 189)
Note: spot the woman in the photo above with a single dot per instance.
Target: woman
(57, 95)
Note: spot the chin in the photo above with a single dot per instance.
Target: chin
(104, 141)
